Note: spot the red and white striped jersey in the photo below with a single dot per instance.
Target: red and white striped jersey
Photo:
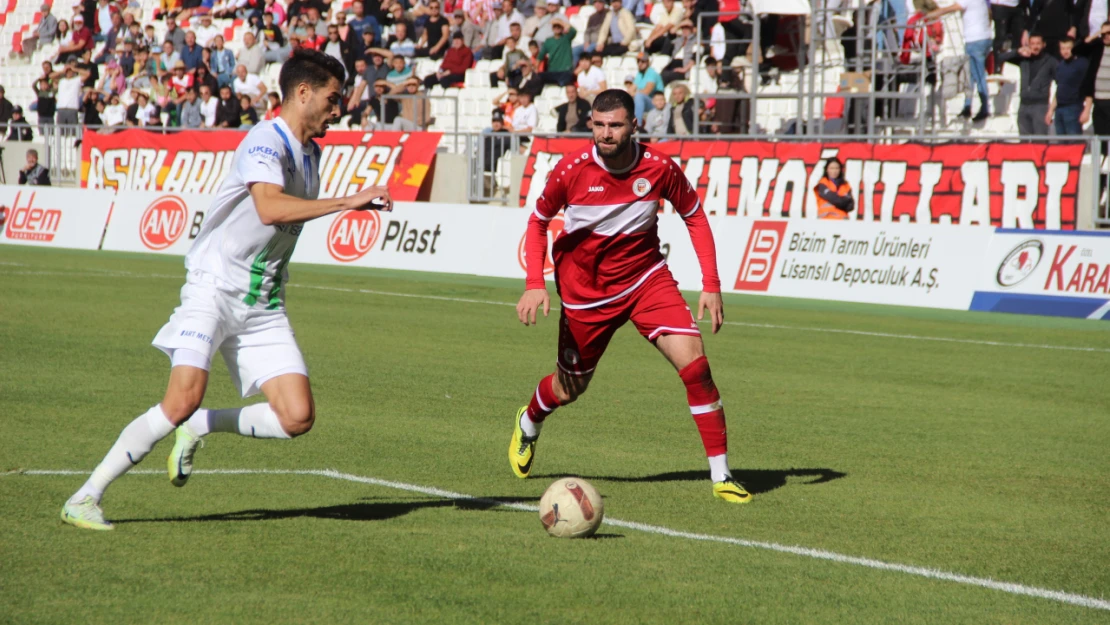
(610, 239)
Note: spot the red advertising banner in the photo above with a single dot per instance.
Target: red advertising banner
(1024, 185)
(197, 161)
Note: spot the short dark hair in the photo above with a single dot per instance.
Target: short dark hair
(1066, 39)
(613, 99)
(1037, 35)
(309, 66)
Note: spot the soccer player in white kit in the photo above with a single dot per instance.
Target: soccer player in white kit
(233, 298)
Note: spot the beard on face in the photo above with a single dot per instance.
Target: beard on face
(610, 150)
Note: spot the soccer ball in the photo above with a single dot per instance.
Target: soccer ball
(571, 508)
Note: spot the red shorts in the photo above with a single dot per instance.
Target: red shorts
(655, 308)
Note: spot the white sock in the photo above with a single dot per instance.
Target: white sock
(530, 428)
(134, 443)
(718, 468)
(256, 420)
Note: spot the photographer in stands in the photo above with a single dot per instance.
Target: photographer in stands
(834, 196)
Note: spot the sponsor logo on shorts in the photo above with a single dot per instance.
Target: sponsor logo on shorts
(1020, 263)
(759, 257)
(570, 356)
(353, 234)
(163, 222)
(641, 187)
(30, 223)
(554, 229)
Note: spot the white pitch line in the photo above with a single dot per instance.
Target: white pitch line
(766, 326)
(819, 554)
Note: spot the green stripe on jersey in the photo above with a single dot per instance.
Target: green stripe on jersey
(275, 289)
(258, 273)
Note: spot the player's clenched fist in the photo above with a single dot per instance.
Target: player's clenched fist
(530, 302)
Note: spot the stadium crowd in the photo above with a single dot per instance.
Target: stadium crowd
(111, 70)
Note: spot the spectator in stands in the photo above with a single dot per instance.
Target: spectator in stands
(1067, 106)
(1054, 20)
(150, 40)
(509, 70)
(114, 114)
(190, 53)
(506, 17)
(730, 115)
(248, 116)
(452, 70)
(337, 48)
(204, 76)
(142, 112)
(659, 117)
(134, 34)
(312, 41)
(222, 61)
(525, 116)
(400, 44)
(925, 38)
(530, 81)
(18, 128)
(181, 79)
(684, 51)
(683, 117)
(436, 37)
(113, 82)
(378, 69)
(6, 107)
(383, 110)
(592, 33)
(1038, 70)
(358, 91)
(102, 20)
(400, 72)
(618, 30)
(506, 103)
(114, 33)
(540, 20)
(834, 195)
(471, 32)
(249, 85)
(360, 22)
(70, 81)
(209, 104)
(141, 70)
(80, 41)
(170, 57)
(64, 38)
(1009, 18)
(44, 32)
(738, 32)
(227, 110)
(497, 142)
(557, 55)
(666, 16)
(590, 79)
(574, 114)
(415, 111)
(173, 33)
(191, 113)
(1096, 85)
(274, 46)
(647, 82)
(91, 109)
(164, 96)
(33, 173)
(274, 102)
(85, 63)
(125, 59)
(978, 40)
(46, 102)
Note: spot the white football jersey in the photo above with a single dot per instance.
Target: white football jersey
(248, 258)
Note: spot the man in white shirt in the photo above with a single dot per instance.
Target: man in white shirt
(208, 104)
(591, 80)
(70, 81)
(978, 39)
(248, 85)
(509, 15)
(233, 300)
(206, 31)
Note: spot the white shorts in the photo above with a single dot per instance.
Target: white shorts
(257, 344)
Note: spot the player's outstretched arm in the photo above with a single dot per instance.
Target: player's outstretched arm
(530, 303)
(276, 208)
(716, 307)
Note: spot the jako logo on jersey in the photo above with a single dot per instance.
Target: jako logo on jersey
(759, 258)
(163, 222)
(352, 234)
(554, 229)
(1020, 263)
(32, 224)
(591, 190)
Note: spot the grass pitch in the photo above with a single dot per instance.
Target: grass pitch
(984, 460)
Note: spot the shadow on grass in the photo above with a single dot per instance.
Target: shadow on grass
(361, 511)
(755, 480)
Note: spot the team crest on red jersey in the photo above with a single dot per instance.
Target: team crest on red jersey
(641, 187)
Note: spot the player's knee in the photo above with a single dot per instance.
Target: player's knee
(296, 417)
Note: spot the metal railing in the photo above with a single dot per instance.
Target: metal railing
(489, 156)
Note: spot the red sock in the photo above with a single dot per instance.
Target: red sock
(705, 406)
(543, 401)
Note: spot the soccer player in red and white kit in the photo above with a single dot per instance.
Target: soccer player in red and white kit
(609, 270)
